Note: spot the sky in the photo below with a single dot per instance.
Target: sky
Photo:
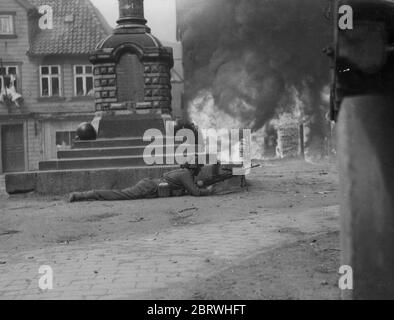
(161, 16)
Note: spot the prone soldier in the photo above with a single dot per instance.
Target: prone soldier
(176, 182)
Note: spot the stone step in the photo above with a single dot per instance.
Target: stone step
(129, 125)
(110, 143)
(93, 163)
(104, 152)
(113, 143)
(62, 182)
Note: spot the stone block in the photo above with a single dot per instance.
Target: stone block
(21, 182)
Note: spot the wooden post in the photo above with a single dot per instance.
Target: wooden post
(302, 141)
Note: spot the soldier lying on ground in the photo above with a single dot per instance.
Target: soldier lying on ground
(177, 183)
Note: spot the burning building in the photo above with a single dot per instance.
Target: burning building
(249, 59)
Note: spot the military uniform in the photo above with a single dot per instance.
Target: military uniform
(183, 180)
(180, 180)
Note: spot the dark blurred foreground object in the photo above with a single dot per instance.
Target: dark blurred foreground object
(362, 101)
(86, 132)
(363, 56)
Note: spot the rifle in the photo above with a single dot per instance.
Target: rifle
(227, 176)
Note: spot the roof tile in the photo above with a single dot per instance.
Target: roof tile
(77, 37)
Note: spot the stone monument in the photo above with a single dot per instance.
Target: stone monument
(132, 77)
(132, 83)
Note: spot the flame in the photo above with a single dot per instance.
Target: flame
(207, 115)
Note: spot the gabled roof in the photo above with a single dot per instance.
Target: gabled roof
(78, 28)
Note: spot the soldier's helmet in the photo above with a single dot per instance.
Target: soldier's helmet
(86, 132)
(196, 167)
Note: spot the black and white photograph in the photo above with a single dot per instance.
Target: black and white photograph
(212, 151)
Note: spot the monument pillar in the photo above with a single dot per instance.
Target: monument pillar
(131, 12)
(132, 76)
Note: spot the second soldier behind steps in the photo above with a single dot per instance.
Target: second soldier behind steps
(175, 182)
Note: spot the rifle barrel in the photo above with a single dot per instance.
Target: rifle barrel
(227, 176)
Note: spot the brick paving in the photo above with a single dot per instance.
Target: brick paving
(137, 267)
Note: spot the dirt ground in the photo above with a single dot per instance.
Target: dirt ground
(304, 269)
(292, 272)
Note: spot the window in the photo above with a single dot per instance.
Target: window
(9, 74)
(50, 81)
(83, 80)
(64, 139)
(6, 24)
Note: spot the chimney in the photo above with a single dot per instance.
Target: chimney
(131, 13)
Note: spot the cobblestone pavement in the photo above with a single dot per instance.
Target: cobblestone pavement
(138, 267)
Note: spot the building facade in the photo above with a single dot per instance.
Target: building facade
(46, 77)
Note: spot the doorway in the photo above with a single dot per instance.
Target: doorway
(12, 148)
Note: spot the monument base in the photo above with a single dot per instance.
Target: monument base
(62, 182)
(114, 161)
(128, 124)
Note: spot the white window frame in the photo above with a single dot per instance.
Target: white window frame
(11, 17)
(71, 136)
(84, 75)
(50, 76)
(7, 67)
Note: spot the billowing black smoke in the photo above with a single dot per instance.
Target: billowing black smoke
(255, 51)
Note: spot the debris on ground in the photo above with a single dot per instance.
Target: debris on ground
(137, 220)
(188, 209)
(8, 232)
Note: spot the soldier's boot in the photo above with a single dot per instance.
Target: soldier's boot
(82, 196)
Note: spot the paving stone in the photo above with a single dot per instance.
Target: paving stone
(134, 267)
